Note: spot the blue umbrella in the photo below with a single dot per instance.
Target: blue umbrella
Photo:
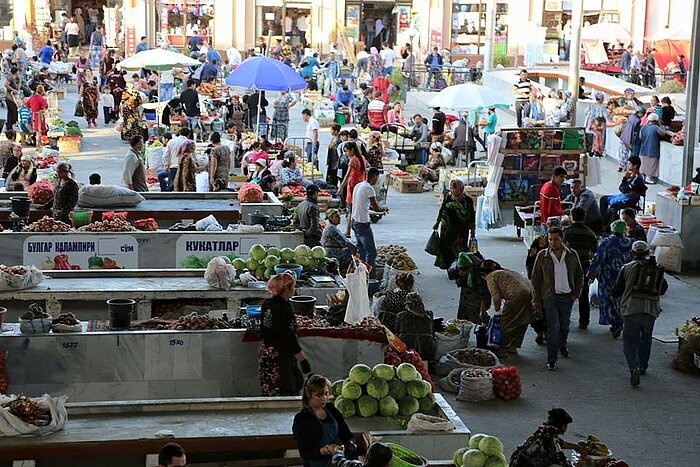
(265, 74)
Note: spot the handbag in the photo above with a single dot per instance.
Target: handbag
(493, 330)
(78, 109)
(433, 245)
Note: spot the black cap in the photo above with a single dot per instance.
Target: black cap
(311, 189)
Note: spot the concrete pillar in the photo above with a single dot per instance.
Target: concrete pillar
(692, 99)
(574, 61)
(490, 33)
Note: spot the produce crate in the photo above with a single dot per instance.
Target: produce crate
(322, 202)
(69, 144)
(407, 184)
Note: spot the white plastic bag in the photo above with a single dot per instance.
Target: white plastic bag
(13, 426)
(358, 301)
(31, 278)
(209, 224)
(593, 177)
(422, 422)
(377, 301)
(593, 293)
(220, 274)
(202, 182)
(154, 158)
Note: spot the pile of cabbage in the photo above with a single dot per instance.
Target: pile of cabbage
(261, 262)
(482, 451)
(384, 390)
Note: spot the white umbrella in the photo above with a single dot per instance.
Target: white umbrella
(158, 60)
(467, 97)
(607, 32)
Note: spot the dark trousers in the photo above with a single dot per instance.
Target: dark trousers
(584, 305)
(636, 340)
(108, 114)
(12, 116)
(291, 379)
(558, 314)
(166, 178)
(520, 110)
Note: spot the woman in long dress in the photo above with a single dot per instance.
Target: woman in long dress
(456, 220)
(185, 178)
(132, 124)
(89, 97)
(37, 105)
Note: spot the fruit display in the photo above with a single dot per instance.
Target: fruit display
(691, 327)
(48, 224)
(194, 321)
(390, 391)
(115, 224)
(308, 170)
(261, 262)
(506, 383)
(13, 270)
(402, 262)
(45, 161)
(299, 191)
(201, 262)
(250, 193)
(41, 192)
(385, 253)
(368, 323)
(412, 357)
(481, 451)
(149, 224)
(35, 312)
(593, 446)
(67, 319)
(28, 410)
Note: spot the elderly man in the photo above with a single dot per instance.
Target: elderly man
(308, 216)
(583, 197)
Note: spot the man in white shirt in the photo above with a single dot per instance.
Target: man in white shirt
(302, 26)
(364, 197)
(311, 134)
(388, 56)
(171, 158)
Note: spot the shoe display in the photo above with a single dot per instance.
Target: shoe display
(634, 377)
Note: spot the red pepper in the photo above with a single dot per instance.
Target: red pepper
(60, 262)
(75, 267)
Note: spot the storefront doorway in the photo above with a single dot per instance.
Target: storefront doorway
(376, 22)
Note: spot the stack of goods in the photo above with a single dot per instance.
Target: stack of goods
(66, 322)
(261, 262)
(114, 224)
(687, 359)
(25, 416)
(19, 277)
(41, 192)
(396, 257)
(35, 321)
(395, 392)
(506, 383)
(28, 410)
(482, 450)
(48, 224)
(467, 358)
(369, 329)
(194, 322)
(250, 193)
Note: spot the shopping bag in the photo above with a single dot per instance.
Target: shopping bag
(220, 274)
(433, 245)
(78, 109)
(593, 176)
(358, 297)
(493, 330)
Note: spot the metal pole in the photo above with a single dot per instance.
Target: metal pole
(490, 33)
(692, 101)
(575, 54)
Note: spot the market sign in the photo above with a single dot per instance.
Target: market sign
(208, 246)
(70, 251)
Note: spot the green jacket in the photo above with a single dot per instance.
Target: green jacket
(623, 288)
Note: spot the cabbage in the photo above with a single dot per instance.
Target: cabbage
(271, 261)
(302, 261)
(408, 406)
(287, 255)
(239, 264)
(426, 404)
(337, 387)
(257, 252)
(418, 389)
(384, 371)
(491, 446)
(388, 407)
(318, 252)
(251, 264)
(346, 407)
(351, 390)
(377, 388)
(303, 250)
(473, 458)
(360, 374)
(272, 251)
(397, 388)
(496, 461)
(367, 406)
(407, 372)
(474, 440)
(457, 457)
(260, 272)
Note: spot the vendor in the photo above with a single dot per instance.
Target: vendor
(24, 173)
(474, 294)
(344, 100)
(394, 301)
(517, 313)
(431, 171)
(319, 427)
(12, 160)
(66, 193)
(335, 242)
(550, 196)
(260, 172)
(307, 218)
(280, 354)
(291, 174)
(632, 188)
(415, 327)
(545, 446)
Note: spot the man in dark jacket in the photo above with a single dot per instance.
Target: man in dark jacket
(583, 197)
(307, 217)
(378, 455)
(434, 63)
(583, 241)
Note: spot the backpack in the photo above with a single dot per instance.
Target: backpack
(648, 281)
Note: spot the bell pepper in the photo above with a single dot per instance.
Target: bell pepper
(60, 262)
(48, 264)
(108, 263)
(95, 262)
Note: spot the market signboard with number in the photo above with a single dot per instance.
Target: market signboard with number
(70, 251)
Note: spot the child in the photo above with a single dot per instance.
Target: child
(598, 129)
(107, 103)
(25, 125)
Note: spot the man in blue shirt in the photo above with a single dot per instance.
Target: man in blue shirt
(308, 66)
(626, 63)
(46, 53)
(212, 54)
(210, 71)
(344, 98)
(332, 71)
(142, 46)
(434, 63)
(194, 43)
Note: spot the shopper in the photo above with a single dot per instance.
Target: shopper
(219, 163)
(584, 242)
(280, 118)
(37, 104)
(650, 149)
(612, 253)
(364, 198)
(639, 285)
(72, 36)
(550, 197)
(521, 90)
(311, 136)
(584, 198)
(473, 291)
(13, 85)
(388, 56)
(357, 173)
(89, 97)
(319, 426)
(134, 175)
(545, 447)
(172, 455)
(434, 63)
(66, 193)
(634, 229)
(185, 177)
(308, 217)
(456, 221)
(629, 139)
(190, 100)
(557, 278)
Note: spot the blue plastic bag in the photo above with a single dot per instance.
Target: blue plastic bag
(493, 330)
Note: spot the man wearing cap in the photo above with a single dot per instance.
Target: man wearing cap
(307, 217)
(583, 197)
(344, 99)
(550, 196)
(640, 307)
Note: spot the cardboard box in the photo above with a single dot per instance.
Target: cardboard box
(407, 184)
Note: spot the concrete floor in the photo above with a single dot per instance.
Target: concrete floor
(656, 424)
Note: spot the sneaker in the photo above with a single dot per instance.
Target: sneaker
(634, 377)
(564, 352)
(551, 366)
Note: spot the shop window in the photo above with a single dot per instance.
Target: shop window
(468, 25)
(181, 19)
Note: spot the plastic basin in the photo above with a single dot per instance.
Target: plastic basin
(295, 268)
(303, 305)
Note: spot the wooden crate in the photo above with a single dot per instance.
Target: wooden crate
(69, 144)
(407, 184)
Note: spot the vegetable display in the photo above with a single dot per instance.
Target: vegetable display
(68, 319)
(149, 224)
(72, 129)
(115, 224)
(41, 192)
(261, 262)
(250, 193)
(28, 410)
(35, 312)
(691, 327)
(593, 446)
(13, 270)
(396, 257)
(481, 451)
(48, 224)
(506, 383)
(195, 321)
(385, 390)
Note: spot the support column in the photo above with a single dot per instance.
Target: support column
(490, 33)
(692, 101)
(574, 56)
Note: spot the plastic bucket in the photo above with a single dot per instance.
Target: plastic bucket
(80, 218)
(294, 268)
(404, 457)
(340, 118)
(21, 205)
(120, 311)
(303, 305)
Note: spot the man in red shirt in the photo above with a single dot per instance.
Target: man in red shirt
(550, 196)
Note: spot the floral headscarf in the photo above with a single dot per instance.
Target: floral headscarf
(280, 282)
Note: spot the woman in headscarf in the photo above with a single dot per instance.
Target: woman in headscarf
(280, 354)
(81, 65)
(375, 63)
(89, 97)
(24, 172)
(613, 252)
(131, 101)
(375, 152)
(545, 446)
(415, 327)
(431, 171)
(517, 314)
(474, 294)
(37, 105)
(650, 149)
(394, 301)
(116, 84)
(185, 177)
(66, 193)
(456, 220)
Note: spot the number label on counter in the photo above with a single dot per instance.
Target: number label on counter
(69, 345)
(177, 342)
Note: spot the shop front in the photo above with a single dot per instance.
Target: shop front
(179, 20)
(376, 22)
(468, 28)
(277, 18)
